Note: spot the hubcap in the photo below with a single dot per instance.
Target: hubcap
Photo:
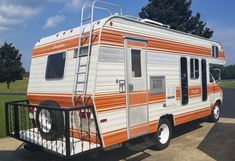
(45, 120)
(163, 133)
(216, 112)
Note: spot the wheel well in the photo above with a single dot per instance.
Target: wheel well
(50, 103)
(170, 117)
(218, 102)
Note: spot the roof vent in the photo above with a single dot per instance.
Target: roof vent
(154, 23)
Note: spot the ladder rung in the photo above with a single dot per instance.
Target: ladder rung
(82, 55)
(81, 73)
(88, 35)
(78, 91)
(80, 82)
(84, 65)
(86, 19)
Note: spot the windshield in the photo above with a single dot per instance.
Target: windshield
(215, 72)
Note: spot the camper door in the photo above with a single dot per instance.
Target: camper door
(136, 93)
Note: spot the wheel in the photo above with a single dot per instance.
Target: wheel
(215, 113)
(163, 136)
(50, 123)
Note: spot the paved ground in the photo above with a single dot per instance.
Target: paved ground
(196, 141)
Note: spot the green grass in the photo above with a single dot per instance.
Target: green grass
(17, 86)
(227, 84)
(3, 99)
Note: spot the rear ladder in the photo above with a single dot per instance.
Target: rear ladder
(82, 69)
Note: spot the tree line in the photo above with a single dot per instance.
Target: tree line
(228, 72)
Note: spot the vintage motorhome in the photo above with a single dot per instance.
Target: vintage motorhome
(139, 76)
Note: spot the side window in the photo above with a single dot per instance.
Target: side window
(55, 66)
(194, 69)
(204, 80)
(215, 51)
(157, 84)
(184, 81)
(136, 63)
(83, 51)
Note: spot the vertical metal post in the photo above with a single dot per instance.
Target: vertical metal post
(7, 119)
(16, 120)
(67, 133)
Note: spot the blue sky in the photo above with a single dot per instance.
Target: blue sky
(23, 22)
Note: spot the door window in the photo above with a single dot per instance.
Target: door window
(136, 63)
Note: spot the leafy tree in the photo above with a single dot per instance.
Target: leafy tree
(178, 15)
(10, 64)
(228, 72)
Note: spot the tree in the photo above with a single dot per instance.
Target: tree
(228, 72)
(10, 64)
(178, 15)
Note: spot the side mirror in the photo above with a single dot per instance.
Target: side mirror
(217, 75)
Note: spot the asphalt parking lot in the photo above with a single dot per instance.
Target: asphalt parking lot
(197, 141)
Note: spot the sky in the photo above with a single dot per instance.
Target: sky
(24, 22)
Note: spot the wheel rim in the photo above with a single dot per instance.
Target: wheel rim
(163, 133)
(216, 112)
(45, 120)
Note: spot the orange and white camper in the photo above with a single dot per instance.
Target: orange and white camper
(115, 79)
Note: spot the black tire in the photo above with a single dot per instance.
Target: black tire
(215, 113)
(159, 143)
(56, 119)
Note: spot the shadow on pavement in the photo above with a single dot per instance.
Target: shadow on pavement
(228, 109)
(123, 153)
(220, 142)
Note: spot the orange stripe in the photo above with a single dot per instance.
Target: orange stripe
(139, 129)
(87, 136)
(61, 45)
(111, 37)
(115, 137)
(187, 117)
(153, 126)
(115, 38)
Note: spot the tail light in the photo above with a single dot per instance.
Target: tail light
(84, 115)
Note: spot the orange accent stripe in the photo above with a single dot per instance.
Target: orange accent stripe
(153, 126)
(137, 98)
(115, 137)
(62, 45)
(111, 37)
(139, 129)
(86, 136)
(190, 116)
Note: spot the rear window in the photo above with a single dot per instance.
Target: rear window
(55, 66)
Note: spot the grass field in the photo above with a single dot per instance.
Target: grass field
(17, 86)
(3, 99)
(227, 84)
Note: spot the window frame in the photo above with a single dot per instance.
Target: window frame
(184, 82)
(75, 55)
(194, 74)
(46, 71)
(215, 51)
(157, 90)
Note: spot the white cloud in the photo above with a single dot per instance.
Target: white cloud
(76, 5)
(17, 11)
(13, 15)
(54, 21)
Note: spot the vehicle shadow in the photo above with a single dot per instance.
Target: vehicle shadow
(133, 151)
(220, 142)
